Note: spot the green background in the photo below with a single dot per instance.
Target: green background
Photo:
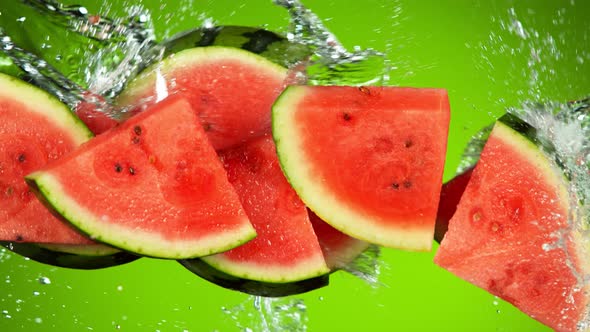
(469, 47)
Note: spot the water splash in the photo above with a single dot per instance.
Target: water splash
(367, 266)
(44, 280)
(269, 314)
(332, 62)
(543, 63)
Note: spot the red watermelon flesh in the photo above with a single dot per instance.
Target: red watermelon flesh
(450, 194)
(152, 185)
(511, 236)
(231, 90)
(338, 248)
(35, 129)
(367, 160)
(286, 248)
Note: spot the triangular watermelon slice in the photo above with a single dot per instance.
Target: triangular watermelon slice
(367, 160)
(153, 186)
(231, 90)
(514, 233)
(286, 248)
(35, 128)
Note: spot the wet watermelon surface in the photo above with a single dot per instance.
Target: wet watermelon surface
(153, 182)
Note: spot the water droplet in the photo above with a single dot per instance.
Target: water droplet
(119, 288)
(35, 293)
(38, 320)
(44, 280)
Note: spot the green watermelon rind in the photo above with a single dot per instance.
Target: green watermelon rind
(299, 174)
(51, 193)
(84, 259)
(98, 249)
(184, 59)
(42, 103)
(265, 43)
(312, 267)
(253, 287)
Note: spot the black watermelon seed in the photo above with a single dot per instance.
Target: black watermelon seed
(21, 158)
(19, 237)
(131, 171)
(408, 143)
(364, 90)
(207, 126)
(118, 168)
(135, 140)
(137, 130)
(395, 185)
(346, 116)
(407, 184)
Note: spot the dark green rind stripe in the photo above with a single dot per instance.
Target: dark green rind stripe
(252, 287)
(68, 260)
(260, 40)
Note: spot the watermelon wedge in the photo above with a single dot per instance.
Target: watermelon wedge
(367, 160)
(286, 248)
(512, 233)
(339, 251)
(153, 186)
(230, 89)
(35, 128)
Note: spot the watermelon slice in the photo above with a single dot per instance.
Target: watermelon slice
(450, 194)
(512, 234)
(339, 251)
(367, 160)
(152, 186)
(35, 128)
(231, 90)
(286, 248)
(85, 257)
